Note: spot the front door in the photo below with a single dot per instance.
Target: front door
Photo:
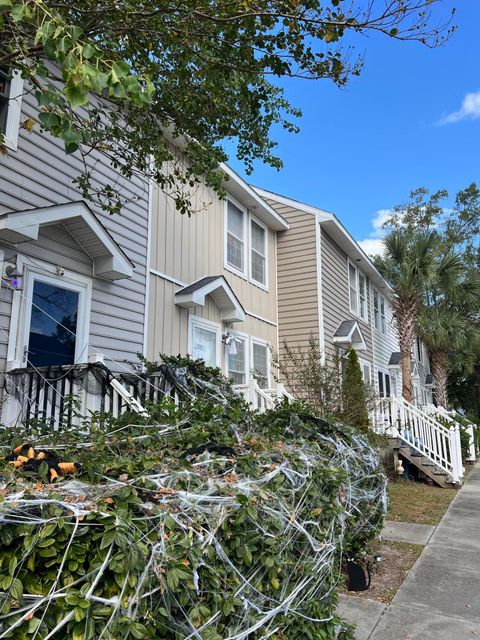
(55, 322)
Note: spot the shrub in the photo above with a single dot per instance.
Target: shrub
(205, 519)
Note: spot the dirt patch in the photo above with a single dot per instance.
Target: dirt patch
(398, 559)
(412, 501)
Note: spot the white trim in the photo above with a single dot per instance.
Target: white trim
(261, 318)
(247, 194)
(165, 276)
(321, 325)
(246, 340)
(289, 202)
(252, 218)
(24, 226)
(368, 364)
(147, 268)
(14, 112)
(207, 325)
(358, 273)
(221, 293)
(348, 340)
(262, 343)
(242, 274)
(22, 307)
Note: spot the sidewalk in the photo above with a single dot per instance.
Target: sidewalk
(440, 598)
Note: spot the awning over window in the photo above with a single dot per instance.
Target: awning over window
(219, 290)
(349, 335)
(395, 360)
(109, 261)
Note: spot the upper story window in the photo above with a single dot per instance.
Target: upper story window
(258, 253)
(379, 318)
(235, 238)
(419, 349)
(357, 292)
(11, 88)
(246, 245)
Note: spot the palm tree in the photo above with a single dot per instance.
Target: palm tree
(408, 264)
(448, 323)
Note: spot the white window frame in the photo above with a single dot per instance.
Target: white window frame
(384, 374)
(366, 364)
(252, 218)
(382, 328)
(245, 339)
(356, 288)
(207, 325)
(22, 309)
(243, 274)
(14, 111)
(262, 343)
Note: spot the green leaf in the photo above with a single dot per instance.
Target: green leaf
(76, 95)
(121, 68)
(108, 539)
(138, 630)
(12, 565)
(16, 590)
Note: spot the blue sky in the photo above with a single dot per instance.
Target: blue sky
(362, 149)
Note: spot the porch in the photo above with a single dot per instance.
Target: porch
(68, 394)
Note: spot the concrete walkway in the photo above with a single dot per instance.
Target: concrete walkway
(407, 532)
(440, 598)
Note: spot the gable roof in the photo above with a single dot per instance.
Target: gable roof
(109, 260)
(340, 235)
(349, 334)
(219, 290)
(395, 359)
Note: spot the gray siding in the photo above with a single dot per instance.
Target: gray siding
(39, 174)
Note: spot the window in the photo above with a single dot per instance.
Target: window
(204, 341)
(357, 291)
(379, 318)
(258, 253)
(384, 384)
(246, 245)
(235, 238)
(366, 372)
(56, 320)
(11, 88)
(260, 363)
(237, 360)
(419, 349)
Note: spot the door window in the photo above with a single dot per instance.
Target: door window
(52, 337)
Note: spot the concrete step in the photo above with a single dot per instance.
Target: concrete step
(426, 466)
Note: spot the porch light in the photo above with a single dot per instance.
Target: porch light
(15, 279)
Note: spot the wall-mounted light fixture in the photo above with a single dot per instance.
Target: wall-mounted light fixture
(15, 279)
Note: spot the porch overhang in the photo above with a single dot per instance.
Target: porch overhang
(109, 261)
(219, 290)
(429, 381)
(349, 336)
(394, 363)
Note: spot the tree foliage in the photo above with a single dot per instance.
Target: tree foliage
(128, 78)
(353, 392)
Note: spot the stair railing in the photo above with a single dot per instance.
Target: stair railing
(451, 417)
(440, 444)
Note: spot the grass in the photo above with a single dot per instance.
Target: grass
(412, 501)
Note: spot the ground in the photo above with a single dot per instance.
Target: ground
(412, 501)
(398, 559)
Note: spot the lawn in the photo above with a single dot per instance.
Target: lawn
(412, 501)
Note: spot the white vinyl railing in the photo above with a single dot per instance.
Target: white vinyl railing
(440, 444)
(451, 417)
(262, 399)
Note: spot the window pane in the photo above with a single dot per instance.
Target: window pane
(258, 267)
(53, 325)
(4, 96)
(234, 252)
(236, 363)
(387, 385)
(235, 220)
(258, 238)
(353, 276)
(380, 384)
(362, 295)
(353, 300)
(205, 345)
(260, 364)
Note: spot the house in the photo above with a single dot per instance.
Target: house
(213, 282)
(328, 288)
(73, 279)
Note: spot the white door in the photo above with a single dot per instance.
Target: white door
(55, 321)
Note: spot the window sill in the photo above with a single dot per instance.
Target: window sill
(240, 274)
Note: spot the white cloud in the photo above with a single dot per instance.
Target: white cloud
(470, 110)
(373, 245)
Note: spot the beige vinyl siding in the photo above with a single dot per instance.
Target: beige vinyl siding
(336, 300)
(40, 174)
(297, 278)
(186, 249)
